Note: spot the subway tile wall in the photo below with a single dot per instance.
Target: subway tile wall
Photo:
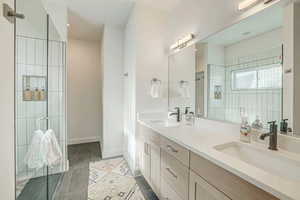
(264, 103)
(31, 60)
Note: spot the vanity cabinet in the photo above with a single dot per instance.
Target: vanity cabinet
(149, 159)
(155, 168)
(146, 161)
(175, 173)
(199, 189)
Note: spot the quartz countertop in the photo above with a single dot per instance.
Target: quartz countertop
(206, 134)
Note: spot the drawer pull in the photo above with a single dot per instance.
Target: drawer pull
(172, 173)
(172, 149)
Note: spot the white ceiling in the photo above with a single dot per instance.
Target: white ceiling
(87, 17)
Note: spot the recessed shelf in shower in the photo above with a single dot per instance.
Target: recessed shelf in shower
(34, 88)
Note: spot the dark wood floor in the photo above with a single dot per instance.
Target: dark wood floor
(74, 184)
(36, 188)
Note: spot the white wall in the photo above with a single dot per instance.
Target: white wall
(145, 58)
(84, 89)
(7, 147)
(57, 9)
(130, 47)
(291, 79)
(254, 46)
(112, 92)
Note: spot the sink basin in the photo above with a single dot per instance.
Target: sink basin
(165, 123)
(283, 164)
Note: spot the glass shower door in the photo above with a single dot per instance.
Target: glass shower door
(31, 82)
(40, 97)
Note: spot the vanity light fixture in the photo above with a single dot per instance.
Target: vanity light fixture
(182, 42)
(246, 4)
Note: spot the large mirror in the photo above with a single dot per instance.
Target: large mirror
(240, 70)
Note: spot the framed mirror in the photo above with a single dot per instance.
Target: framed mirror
(242, 70)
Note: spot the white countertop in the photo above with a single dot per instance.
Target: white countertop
(206, 134)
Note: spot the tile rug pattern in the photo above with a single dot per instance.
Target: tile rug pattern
(112, 180)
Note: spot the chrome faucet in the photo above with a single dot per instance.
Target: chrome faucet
(177, 113)
(273, 136)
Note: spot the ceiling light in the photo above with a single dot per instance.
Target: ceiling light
(246, 4)
(68, 25)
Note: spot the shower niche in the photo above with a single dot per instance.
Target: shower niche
(34, 88)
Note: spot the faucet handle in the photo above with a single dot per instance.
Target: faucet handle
(186, 110)
(272, 123)
(273, 126)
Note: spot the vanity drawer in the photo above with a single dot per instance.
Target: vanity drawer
(233, 186)
(149, 135)
(179, 152)
(175, 174)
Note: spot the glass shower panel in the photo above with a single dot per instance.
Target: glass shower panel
(56, 100)
(31, 85)
(40, 102)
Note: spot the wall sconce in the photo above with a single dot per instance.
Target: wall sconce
(246, 4)
(181, 43)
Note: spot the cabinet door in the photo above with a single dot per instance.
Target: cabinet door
(146, 162)
(155, 168)
(201, 190)
(167, 193)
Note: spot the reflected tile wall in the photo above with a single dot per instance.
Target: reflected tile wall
(263, 103)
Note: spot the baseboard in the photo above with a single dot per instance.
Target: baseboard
(110, 153)
(83, 140)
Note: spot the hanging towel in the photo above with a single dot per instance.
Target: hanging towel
(34, 157)
(51, 149)
(155, 89)
(184, 89)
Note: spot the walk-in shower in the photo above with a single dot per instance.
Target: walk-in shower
(40, 99)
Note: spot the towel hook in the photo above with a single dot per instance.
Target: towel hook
(155, 80)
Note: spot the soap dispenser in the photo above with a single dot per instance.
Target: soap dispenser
(36, 94)
(42, 95)
(245, 130)
(284, 126)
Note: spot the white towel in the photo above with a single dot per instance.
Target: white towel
(51, 149)
(155, 89)
(44, 150)
(184, 90)
(34, 157)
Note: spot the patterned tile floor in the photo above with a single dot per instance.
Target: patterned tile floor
(111, 180)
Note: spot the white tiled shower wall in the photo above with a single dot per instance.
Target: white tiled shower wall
(31, 59)
(265, 103)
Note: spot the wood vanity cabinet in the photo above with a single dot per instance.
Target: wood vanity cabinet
(149, 160)
(146, 161)
(199, 189)
(175, 173)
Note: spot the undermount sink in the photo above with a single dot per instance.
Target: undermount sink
(165, 123)
(280, 163)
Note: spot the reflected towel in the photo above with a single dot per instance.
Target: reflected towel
(155, 89)
(34, 157)
(184, 90)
